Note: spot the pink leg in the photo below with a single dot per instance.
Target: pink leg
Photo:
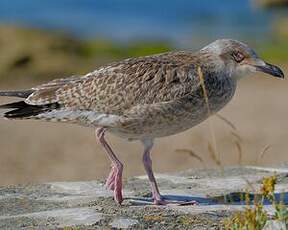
(114, 180)
(110, 182)
(158, 200)
(148, 144)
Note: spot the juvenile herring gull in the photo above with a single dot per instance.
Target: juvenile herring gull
(143, 98)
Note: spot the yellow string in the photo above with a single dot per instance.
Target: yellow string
(211, 128)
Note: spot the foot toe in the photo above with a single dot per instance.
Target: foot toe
(160, 202)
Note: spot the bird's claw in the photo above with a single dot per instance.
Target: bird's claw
(114, 183)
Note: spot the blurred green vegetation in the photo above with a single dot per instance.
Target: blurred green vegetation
(37, 55)
(274, 50)
(106, 48)
(30, 54)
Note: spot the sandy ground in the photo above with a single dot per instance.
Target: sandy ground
(32, 151)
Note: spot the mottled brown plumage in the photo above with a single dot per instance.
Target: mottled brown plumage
(143, 98)
(122, 85)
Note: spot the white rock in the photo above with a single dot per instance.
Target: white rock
(274, 225)
(65, 217)
(123, 223)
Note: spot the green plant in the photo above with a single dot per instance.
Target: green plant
(254, 216)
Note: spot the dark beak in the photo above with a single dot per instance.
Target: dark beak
(271, 70)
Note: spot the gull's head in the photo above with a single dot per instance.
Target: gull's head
(239, 59)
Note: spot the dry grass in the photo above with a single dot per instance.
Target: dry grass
(229, 123)
(192, 154)
(262, 153)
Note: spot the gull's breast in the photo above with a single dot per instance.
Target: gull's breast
(166, 119)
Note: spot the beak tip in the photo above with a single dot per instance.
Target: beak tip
(271, 70)
(282, 75)
(279, 73)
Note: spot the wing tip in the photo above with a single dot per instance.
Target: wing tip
(21, 109)
(18, 93)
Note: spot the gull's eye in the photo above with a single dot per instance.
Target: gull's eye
(237, 56)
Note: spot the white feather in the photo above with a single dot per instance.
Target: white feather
(85, 117)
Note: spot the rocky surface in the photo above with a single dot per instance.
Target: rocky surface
(88, 205)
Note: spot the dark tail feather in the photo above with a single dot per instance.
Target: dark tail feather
(20, 93)
(23, 110)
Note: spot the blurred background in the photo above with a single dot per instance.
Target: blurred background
(43, 40)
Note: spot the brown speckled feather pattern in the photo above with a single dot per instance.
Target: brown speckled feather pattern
(150, 96)
(120, 86)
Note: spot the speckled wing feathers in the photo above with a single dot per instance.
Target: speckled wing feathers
(47, 92)
(119, 87)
